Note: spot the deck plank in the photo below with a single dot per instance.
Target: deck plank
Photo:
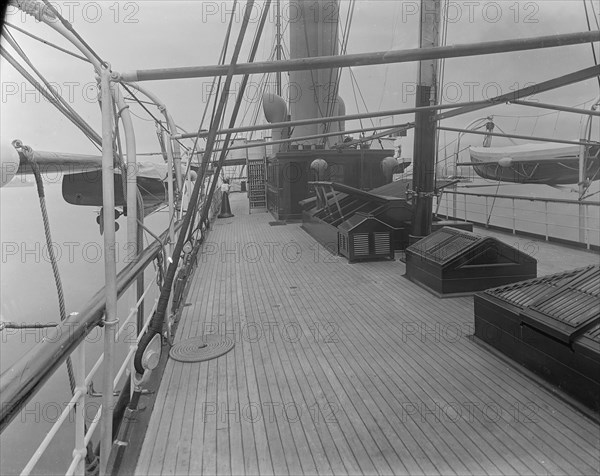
(344, 369)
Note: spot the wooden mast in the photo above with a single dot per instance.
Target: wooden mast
(424, 141)
(278, 45)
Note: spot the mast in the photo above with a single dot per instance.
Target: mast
(278, 45)
(425, 127)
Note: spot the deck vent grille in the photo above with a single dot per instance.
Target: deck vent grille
(568, 310)
(361, 244)
(382, 243)
(362, 236)
(444, 245)
(524, 293)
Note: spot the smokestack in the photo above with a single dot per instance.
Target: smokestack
(313, 32)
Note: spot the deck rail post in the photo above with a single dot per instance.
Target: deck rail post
(587, 226)
(170, 190)
(546, 218)
(487, 217)
(80, 446)
(514, 217)
(110, 268)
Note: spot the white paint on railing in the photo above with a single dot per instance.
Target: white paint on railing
(550, 224)
(48, 439)
(77, 401)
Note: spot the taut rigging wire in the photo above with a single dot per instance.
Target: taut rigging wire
(157, 320)
(587, 18)
(81, 125)
(48, 43)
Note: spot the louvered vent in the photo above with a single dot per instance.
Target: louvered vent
(361, 244)
(343, 242)
(382, 243)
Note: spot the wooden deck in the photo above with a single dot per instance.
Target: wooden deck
(345, 369)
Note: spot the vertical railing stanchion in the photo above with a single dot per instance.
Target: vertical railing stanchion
(454, 205)
(514, 217)
(487, 217)
(170, 191)
(465, 203)
(133, 228)
(80, 446)
(110, 268)
(546, 218)
(133, 345)
(447, 205)
(587, 226)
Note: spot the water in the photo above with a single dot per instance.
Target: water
(28, 295)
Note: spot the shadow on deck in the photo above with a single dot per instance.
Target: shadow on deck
(344, 369)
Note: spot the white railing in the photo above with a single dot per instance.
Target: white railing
(77, 401)
(82, 381)
(552, 219)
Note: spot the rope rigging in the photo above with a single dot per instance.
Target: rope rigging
(589, 25)
(70, 28)
(158, 318)
(90, 458)
(47, 91)
(333, 95)
(48, 43)
(201, 177)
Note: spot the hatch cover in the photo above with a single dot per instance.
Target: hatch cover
(564, 305)
(524, 293)
(445, 244)
(567, 311)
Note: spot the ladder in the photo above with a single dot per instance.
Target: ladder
(257, 183)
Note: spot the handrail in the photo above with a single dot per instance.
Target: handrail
(77, 395)
(506, 216)
(77, 457)
(21, 382)
(531, 199)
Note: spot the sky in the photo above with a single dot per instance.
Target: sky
(155, 34)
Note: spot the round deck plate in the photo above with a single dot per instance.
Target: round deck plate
(199, 349)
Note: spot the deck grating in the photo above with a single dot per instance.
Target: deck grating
(344, 369)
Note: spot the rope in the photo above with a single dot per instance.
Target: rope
(332, 96)
(28, 153)
(487, 222)
(18, 325)
(90, 458)
(47, 42)
(156, 120)
(594, 15)
(70, 28)
(587, 18)
(51, 96)
(158, 318)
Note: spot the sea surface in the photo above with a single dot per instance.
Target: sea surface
(28, 295)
